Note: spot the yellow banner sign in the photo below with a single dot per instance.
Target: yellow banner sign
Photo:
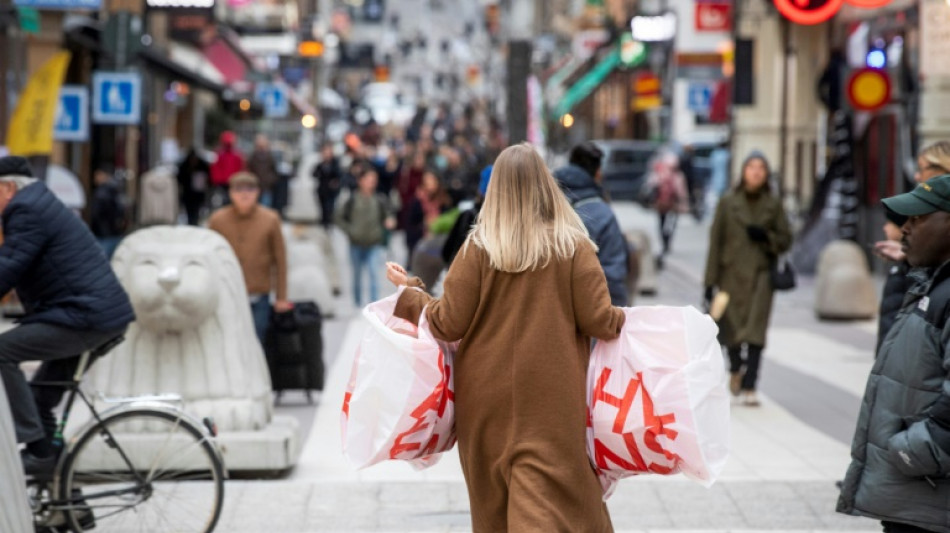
(31, 129)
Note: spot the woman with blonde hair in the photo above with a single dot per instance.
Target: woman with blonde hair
(524, 296)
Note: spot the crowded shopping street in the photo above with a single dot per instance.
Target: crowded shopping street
(300, 266)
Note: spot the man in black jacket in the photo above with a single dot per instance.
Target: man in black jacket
(74, 302)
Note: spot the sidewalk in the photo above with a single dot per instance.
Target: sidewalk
(780, 476)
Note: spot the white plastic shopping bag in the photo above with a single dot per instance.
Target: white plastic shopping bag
(657, 398)
(399, 400)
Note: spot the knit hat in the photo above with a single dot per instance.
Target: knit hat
(757, 154)
(12, 165)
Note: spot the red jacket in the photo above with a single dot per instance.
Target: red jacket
(228, 163)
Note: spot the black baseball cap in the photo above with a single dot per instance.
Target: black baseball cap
(12, 165)
(928, 197)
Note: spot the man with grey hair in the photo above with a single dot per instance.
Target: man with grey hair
(73, 300)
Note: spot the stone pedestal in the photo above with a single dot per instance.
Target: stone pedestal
(14, 509)
(302, 193)
(647, 283)
(844, 289)
(311, 267)
(194, 336)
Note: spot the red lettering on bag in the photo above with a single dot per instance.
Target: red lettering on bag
(346, 403)
(655, 425)
(435, 402)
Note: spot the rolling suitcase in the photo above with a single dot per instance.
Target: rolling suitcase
(294, 350)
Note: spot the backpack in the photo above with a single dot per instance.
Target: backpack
(383, 213)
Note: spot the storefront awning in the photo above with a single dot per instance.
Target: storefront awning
(587, 84)
(186, 64)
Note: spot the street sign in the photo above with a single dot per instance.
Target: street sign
(60, 4)
(275, 100)
(72, 114)
(116, 98)
(869, 89)
(808, 12)
(713, 16)
(699, 97)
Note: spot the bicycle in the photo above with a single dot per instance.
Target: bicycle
(141, 465)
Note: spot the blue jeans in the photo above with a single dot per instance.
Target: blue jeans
(366, 258)
(260, 311)
(267, 198)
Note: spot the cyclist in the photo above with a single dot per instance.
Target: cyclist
(73, 301)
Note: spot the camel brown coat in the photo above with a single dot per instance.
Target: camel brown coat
(520, 386)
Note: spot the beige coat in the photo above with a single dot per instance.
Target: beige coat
(520, 386)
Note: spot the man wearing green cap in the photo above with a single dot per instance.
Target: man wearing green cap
(900, 468)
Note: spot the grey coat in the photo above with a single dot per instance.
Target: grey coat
(900, 468)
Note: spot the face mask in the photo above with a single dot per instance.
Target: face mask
(441, 162)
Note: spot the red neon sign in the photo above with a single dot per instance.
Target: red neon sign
(808, 12)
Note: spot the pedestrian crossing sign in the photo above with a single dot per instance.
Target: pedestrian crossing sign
(72, 114)
(116, 98)
(275, 100)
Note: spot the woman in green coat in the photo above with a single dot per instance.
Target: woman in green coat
(750, 230)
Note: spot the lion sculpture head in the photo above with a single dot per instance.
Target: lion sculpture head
(193, 334)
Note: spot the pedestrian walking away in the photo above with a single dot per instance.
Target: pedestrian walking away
(74, 302)
(900, 454)
(254, 232)
(525, 295)
(748, 233)
(580, 182)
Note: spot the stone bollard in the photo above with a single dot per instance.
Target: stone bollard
(308, 267)
(647, 282)
(15, 514)
(194, 336)
(844, 289)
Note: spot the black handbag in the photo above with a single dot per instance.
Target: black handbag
(783, 275)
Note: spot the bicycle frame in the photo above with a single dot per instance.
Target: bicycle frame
(162, 402)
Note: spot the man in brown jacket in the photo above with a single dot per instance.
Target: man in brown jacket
(255, 234)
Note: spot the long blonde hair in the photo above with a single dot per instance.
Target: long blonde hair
(525, 220)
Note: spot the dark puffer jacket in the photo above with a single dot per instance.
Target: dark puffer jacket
(895, 287)
(585, 195)
(900, 456)
(58, 269)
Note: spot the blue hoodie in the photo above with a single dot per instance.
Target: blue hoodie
(586, 197)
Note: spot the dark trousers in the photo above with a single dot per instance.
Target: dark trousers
(751, 362)
(896, 527)
(327, 201)
(59, 349)
(667, 228)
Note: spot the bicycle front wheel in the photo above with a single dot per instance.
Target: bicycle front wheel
(143, 470)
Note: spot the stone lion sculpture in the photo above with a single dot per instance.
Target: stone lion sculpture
(193, 333)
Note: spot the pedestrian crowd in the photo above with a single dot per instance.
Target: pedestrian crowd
(496, 236)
